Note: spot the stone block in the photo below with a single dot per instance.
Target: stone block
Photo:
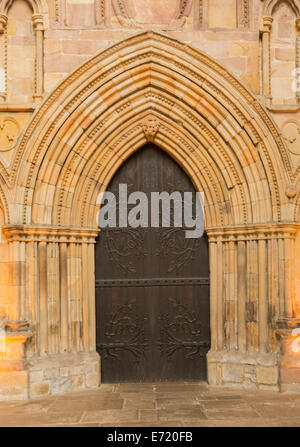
(62, 386)
(232, 373)
(81, 46)
(267, 375)
(36, 376)
(78, 381)
(13, 382)
(212, 373)
(53, 46)
(285, 54)
(92, 380)
(222, 17)
(64, 372)
(289, 375)
(56, 63)
(50, 373)
(39, 389)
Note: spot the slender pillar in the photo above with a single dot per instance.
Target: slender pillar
(266, 58)
(3, 56)
(262, 292)
(213, 294)
(43, 298)
(298, 60)
(241, 294)
(64, 311)
(38, 24)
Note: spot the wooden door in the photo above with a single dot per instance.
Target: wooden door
(152, 287)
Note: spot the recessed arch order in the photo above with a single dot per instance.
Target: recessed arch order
(150, 87)
(207, 120)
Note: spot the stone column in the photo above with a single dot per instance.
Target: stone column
(38, 25)
(241, 293)
(265, 31)
(252, 296)
(53, 287)
(14, 373)
(3, 56)
(298, 59)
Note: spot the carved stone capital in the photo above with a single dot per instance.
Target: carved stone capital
(16, 331)
(298, 24)
(3, 23)
(21, 233)
(266, 24)
(38, 22)
(285, 326)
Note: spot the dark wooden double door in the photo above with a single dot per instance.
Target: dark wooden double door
(152, 287)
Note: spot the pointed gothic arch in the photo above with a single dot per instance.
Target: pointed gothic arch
(270, 6)
(209, 122)
(37, 6)
(227, 143)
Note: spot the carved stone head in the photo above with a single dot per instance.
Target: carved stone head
(150, 126)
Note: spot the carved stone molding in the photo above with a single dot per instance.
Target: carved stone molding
(243, 13)
(270, 5)
(9, 132)
(100, 11)
(21, 233)
(253, 232)
(126, 15)
(3, 23)
(266, 24)
(200, 13)
(291, 134)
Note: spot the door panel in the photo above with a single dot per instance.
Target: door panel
(152, 287)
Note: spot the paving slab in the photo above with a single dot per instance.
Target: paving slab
(156, 405)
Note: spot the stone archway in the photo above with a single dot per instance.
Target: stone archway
(228, 145)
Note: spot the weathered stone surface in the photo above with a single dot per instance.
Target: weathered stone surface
(267, 375)
(232, 373)
(199, 92)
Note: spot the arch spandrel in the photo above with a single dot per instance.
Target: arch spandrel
(231, 146)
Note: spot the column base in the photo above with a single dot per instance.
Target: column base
(14, 381)
(247, 370)
(289, 334)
